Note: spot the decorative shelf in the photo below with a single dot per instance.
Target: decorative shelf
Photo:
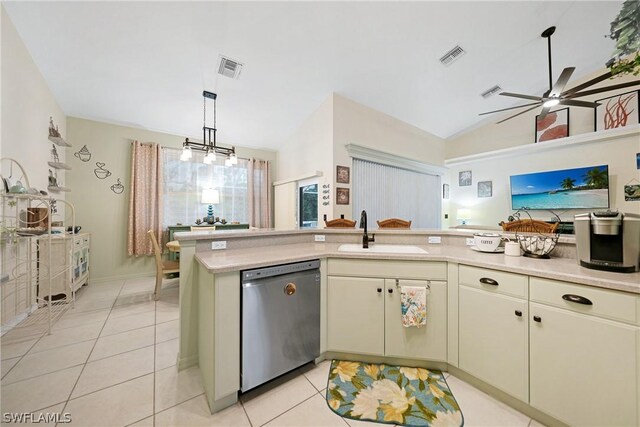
(59, 141)
(583, 138)
(56, 189)
(59, 165)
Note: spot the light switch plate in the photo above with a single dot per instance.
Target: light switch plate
(319, 237)
(471, 241)
(435, 239)
(221, 244)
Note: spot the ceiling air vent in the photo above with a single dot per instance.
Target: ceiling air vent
(452, 55)
(229, 68)
(492, 91)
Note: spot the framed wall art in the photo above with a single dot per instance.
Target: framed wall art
(617, 111)
(342, 174)
(342, 196)
(485, 189)
(464, 178)
(554, 125)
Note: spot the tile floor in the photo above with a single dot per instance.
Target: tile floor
(110, 361)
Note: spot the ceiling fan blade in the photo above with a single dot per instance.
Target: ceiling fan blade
(562, 81)
(510, 108)
(604, 89)
(586, 84)
(515, 115)
(519, 95)
(543, 113)
(577, 103)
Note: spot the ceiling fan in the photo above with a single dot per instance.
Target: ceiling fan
(556, 95)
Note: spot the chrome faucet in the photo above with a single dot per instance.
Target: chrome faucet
(365, 237)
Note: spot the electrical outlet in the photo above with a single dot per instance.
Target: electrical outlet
(471, 241)
(319, 237)
(221, 244)
(435, 239)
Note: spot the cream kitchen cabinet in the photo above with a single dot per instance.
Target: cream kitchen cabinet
(493, 339)
(66, 260)
(584, 366)
(364, 315)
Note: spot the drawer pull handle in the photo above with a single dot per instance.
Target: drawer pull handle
(537, 319)
(488, 281)
(390, 290)
(577, 298)
(379, 290)
(518, 313)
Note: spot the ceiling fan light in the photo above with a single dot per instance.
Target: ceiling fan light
(210, 157)
(233, 158)
(551, 102)
(186, 154)
(228, 161)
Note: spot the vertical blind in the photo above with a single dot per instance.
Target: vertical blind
(390, 192)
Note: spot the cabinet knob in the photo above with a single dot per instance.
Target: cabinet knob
(537, 319)
(518, 313)
(379, 290)
(390, 290)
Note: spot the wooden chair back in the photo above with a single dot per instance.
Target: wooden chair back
(156, 251)
(394, 223)
(340, 223)
(530, 226)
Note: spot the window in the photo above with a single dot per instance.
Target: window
(391, 192)
(308, 205)
(184, 181)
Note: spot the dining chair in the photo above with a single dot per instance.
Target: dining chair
(394, 223)
(162, 267)
(339, 223)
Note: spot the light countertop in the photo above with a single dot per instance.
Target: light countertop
(565, 269)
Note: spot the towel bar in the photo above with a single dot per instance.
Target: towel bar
(428, 286)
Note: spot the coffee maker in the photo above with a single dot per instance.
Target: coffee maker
(608, 240)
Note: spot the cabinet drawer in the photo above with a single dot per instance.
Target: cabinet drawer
(85, 240)
(604, 303)
(493, 281)
(388, 269)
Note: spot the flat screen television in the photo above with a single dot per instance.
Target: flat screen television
(579, 188)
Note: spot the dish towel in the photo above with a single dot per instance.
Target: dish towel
(413, 302)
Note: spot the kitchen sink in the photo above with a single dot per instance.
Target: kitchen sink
(382, 249)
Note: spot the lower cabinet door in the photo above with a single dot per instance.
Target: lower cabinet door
(355, 315)
(584, 370)
(493, 342)
(425, 342)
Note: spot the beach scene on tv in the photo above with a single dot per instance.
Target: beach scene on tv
(585, 188)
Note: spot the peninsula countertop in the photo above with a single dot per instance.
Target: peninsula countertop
(565, 269)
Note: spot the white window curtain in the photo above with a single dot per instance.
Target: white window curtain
(259, 193)
(391, 192)
(184, 182)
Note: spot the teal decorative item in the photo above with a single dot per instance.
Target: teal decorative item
(210, 196)
(391, 394)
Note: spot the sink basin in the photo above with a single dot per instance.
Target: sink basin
(382, 249)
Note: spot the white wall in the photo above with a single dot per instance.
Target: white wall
(358, 124)
(27, 104)
(619, 154)
(99, 210)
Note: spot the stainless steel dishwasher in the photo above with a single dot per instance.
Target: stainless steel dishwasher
(280, 320)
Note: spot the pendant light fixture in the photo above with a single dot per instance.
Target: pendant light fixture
(208, 144)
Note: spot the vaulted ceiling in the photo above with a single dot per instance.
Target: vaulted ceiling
(145, 64)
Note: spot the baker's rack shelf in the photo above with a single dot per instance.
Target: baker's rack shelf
(58, 140)
(59, 165)
(56, 189)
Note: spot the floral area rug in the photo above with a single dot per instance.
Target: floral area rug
(392, 395)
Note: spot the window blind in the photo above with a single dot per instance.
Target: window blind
(391, 192)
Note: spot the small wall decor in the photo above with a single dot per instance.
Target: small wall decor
(554, 125)
(53, 130)
(632, 193)
(445, 191)
(342, 174)
(117, 188)
(83, 154)
(342, 196)
(54, 154)
(53, 180)
(617, 111)
(100, 171)
(464, 178)
(485, 189)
